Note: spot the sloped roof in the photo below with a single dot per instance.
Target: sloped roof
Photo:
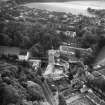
(72, 49)
(70, 33)
(49, 69)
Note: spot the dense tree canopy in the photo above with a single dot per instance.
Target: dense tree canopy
(24, 33)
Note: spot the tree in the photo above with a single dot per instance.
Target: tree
(77, 54)
(5, 39)
(88, 39)
(8, 94)
(35, 91)
(26, 42)
(61, 100)
(37, 50)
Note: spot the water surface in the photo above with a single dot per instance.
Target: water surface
(75, 7)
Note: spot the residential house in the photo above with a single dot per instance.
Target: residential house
(51, 54)
(71, 36)
(72, 50)
(36, 63)
(67, 49)
(70, 33)
(24, 57)
(98, 82)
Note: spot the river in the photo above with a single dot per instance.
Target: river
(75, 7)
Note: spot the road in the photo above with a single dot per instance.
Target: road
(48, 94)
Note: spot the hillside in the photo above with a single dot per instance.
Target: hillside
(48, 0)
(60, 0)
(56, 0)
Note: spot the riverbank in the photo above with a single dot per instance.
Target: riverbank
(75, 7)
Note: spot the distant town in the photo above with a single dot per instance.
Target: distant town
(50, 57)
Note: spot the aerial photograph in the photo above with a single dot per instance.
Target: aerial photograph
(52, 52)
